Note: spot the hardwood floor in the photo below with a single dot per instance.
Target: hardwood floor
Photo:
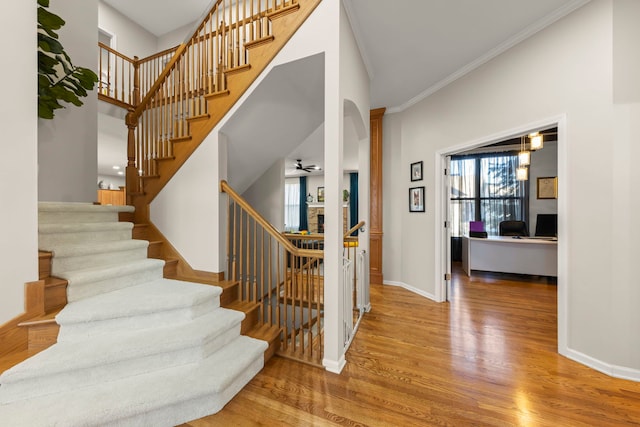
(488, 358)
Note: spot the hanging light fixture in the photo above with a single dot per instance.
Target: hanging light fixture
(524, 156)
(524, 159)
(522, 173)
(536, 141)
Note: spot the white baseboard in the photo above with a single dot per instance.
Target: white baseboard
(334, 366)
(410, 289)
(606, 368)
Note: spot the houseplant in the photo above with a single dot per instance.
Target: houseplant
(58, 78)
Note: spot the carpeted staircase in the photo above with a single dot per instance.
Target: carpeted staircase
(133, 348)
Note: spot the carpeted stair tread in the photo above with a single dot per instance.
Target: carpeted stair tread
(58, 212)
(66, 366)
(78, 277)
(65, 233)
(162, 398)
(82, 207)
(159, 295)
(94, 248)
(158, 303)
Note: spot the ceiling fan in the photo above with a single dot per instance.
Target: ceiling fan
(307, 168)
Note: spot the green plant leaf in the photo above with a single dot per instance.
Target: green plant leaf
(47, 64)
(49, 44)
(52, 58)
(49, 20)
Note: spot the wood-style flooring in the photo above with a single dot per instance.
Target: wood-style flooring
(487, 358)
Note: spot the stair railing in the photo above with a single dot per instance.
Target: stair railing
(197, 72)
(124, 80)
(286, 281)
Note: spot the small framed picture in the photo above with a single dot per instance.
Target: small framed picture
(416, 171)
(547, 187)
(416, 199)
(320, 195)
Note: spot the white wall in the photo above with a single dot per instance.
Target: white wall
(266, 194)
(185, 193)
(67, 145)
(578, 85)
(131, 39)
(18, 167)
(544, 163)
(176, 37)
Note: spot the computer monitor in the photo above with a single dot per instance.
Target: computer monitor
(547, 225)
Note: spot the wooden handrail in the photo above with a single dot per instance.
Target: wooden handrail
(116, 53)
(158, 55)
(354, 228)
(152, 91)
(280, 237)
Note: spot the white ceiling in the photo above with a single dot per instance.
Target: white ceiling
(160, 17)
(411, 48)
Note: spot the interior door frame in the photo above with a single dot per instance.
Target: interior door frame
(443, 256)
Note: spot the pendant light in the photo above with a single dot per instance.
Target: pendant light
(524, 156)
(524, 160)
(536, 141)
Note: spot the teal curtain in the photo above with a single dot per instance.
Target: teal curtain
(303, 204)
(353, 197)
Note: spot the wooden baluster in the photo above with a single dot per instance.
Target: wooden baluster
(131, 171)
(240, 252)
(100, 70)
(109, 73)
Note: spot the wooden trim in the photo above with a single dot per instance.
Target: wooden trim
(279, 13)
(157, 55)
(375, 196)
(184, 269)
(353, 229)
(14, 338)
(114, 101)
(236, 70)
(259, 42)
(116, 53)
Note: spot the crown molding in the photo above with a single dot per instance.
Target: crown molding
(496, 51)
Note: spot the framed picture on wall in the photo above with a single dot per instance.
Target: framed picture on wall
(416, 199)
(416, 171)
(320, 195)
(547, 187)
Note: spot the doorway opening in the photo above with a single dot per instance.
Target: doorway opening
(537, 206)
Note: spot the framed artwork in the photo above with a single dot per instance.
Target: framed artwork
(547, 187)
(416, 171)
(416, 199)
(320, 195)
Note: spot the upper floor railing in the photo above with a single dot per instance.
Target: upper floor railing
(123, 80)
(196, 72)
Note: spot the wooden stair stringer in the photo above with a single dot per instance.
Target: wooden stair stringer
(168, 252)
(283, 28)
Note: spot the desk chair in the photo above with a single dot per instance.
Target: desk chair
(513, 228)
(547, 225)
(476, 229)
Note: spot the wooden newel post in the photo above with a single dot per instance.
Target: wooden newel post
(132, 175)
(136, 81)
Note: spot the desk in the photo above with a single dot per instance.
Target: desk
(508, 255)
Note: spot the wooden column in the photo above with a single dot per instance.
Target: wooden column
(375, 195)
